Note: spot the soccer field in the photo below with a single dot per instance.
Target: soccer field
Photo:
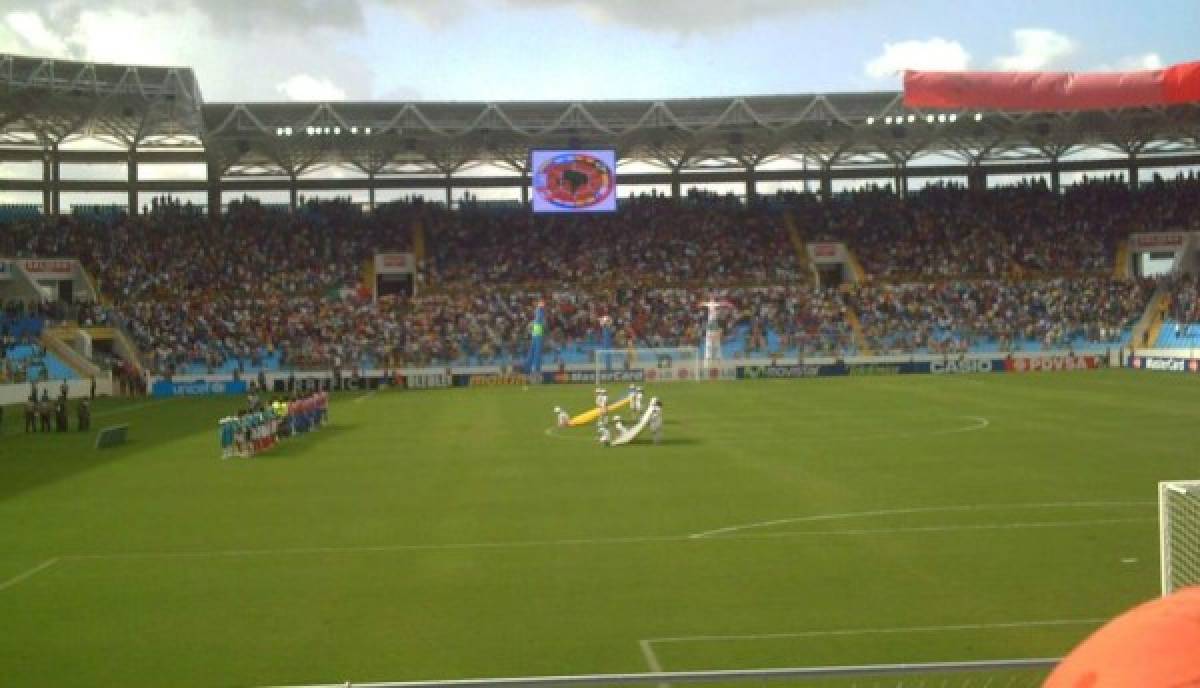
(455, 533)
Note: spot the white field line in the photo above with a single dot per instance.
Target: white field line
(977, 423)
(364, 397)
(651, 658)
(945, 529)
(584, 542)
(648, 654)
(876, 631)
(22, 577)
(913, 510)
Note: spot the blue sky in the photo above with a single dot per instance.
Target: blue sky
(590, 49)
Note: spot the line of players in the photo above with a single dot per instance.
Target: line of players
(261, 425)
(604, 435)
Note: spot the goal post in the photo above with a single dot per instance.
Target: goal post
(1179, 533)
(659, 364)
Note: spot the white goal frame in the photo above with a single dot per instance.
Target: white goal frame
(657, 364)
(1179, 534)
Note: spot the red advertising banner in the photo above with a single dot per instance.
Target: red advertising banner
(1052, 91)
(394, 263)
(1156, 240)
(57, 269)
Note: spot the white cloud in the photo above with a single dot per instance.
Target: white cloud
(1036, 49)
(32, 33)
(1146, 61)
(688, 16)
(228, 65)
(932, 54)
(305, 87)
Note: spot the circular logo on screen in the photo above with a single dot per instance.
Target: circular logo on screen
(575, 181)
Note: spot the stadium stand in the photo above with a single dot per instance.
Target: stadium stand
(946, 270)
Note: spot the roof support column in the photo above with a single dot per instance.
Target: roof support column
(827, 181)
(524, 188)
(292, 200)
(449, 191)
(49, 162)
(214, 190)
(1133, 170)
(976, 178)
(901, 178)
(131, 198)
(751, 186)
(1055, 176)
(371, 191)
(675, 185)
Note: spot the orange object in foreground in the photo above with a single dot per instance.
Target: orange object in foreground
(1154, 645)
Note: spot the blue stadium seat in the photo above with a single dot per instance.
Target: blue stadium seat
(54, 368)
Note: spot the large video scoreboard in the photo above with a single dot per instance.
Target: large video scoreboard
(574, 181)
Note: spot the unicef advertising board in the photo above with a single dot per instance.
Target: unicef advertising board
(167, 388)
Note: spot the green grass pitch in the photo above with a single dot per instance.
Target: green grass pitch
(453, 533)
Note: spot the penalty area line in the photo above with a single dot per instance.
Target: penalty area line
(913, 510)
(22, 577)
(833, 632)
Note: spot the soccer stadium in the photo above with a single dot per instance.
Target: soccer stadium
(888, 386)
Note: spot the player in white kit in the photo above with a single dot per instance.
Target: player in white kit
(603, 434)
(561, 417)
(656, 421)
(602, 402)
(638, 398)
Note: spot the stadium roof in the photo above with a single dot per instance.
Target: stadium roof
(46, 102)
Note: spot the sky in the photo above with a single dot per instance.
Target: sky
(329, 50)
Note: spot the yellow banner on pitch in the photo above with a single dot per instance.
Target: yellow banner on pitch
(589, 416)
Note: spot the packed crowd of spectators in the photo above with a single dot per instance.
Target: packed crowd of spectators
(951, 317)
(485, 327)
(266, 286)
(650, 241)
(1184, 299)
(946, 232)
(188, 290)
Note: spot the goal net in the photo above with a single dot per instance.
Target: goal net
(647, 365)
(1179, 531)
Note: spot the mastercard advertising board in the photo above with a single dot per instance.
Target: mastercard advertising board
(574, 181)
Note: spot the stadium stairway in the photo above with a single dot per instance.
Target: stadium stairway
(1148, 327)
(368, 273)
(856, 268)
(418, 240)
(798, 244)
(1121, 264)
(55, 340)
(860, 339)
